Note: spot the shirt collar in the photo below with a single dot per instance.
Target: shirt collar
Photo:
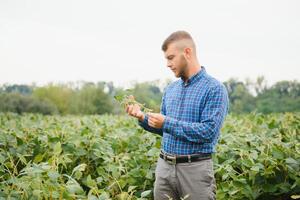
(195, 77)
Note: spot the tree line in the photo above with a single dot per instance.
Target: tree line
(98, 98)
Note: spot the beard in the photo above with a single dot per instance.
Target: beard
(182, 66)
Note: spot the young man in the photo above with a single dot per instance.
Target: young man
(192, 112)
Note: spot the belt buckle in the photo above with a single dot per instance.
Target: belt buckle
(171, 159)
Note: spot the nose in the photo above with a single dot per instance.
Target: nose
(169, 64)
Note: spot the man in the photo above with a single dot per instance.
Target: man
(192, 112)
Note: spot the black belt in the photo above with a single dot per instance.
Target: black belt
(172, 159)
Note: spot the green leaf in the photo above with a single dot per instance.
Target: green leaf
(57, 148)
(269, 188)
(295, 196)
(291, 161)
(277, 153)
(255, 168)
(131, 188)
(53, 175)
(146, 193)
(90, 182)
(74, 188)
(38, 158)
(123, 196)
(79, 168)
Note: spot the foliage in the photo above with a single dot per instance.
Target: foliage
(98, 98)
(259, 156)
(90, 99)
(59, 95)
(111, 157)
(18, 103)
(22, 89)
(74, 157)
(284, 96)
(245, 97)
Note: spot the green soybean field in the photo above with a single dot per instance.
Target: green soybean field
(111, 157)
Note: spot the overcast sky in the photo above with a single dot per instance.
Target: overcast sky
(120, 41)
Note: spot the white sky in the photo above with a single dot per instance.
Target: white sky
(119, 41)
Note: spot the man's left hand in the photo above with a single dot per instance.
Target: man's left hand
(156, 120)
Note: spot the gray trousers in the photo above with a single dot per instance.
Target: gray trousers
(194, 179)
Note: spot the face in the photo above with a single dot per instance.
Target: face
(176, 60)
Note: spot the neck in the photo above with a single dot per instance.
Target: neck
(192, 69)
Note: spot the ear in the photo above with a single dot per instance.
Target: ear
(187, 52)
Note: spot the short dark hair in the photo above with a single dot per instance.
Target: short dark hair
(176, 36)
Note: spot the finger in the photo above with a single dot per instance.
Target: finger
(150, 119)
(136, 107)
(131, 97)
(136, 110)
(130, 110)
(154, 116)
(139, 114)
(150, 114)
(134, 113)
(127, 108)
(151, 123)
(153, 120)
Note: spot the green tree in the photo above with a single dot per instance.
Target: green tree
(18, 103)
(15, 88)
(284, 96)
(91, 99)
(60, 95)
(241, 100)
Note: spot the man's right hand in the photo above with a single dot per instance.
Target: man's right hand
(135, 111)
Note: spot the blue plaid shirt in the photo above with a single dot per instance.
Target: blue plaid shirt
(194, 112)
